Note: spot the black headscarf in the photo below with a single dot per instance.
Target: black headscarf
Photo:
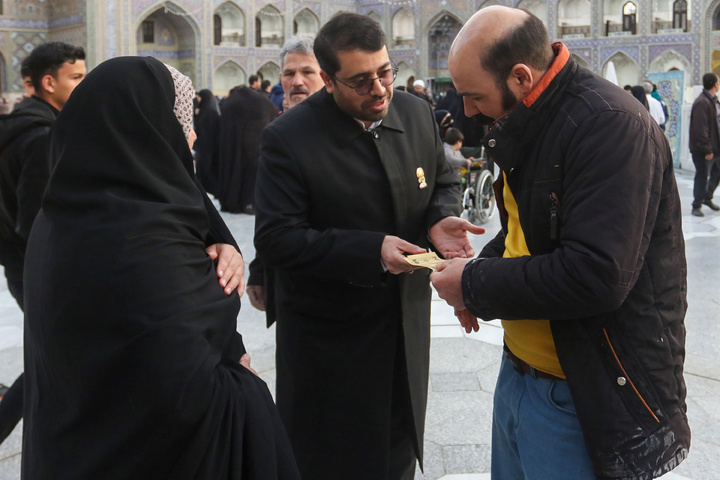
(638, 92)
(131, 354)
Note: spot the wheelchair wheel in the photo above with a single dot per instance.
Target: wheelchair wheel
(484, 197)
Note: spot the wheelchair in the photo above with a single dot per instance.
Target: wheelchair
(478, 198)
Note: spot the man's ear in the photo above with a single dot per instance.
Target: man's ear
(521, 78)
(48, 83)
(327, 80)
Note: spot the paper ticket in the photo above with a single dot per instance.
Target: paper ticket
(427, 260)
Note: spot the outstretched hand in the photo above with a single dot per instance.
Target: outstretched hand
(230, 267)
(449, 236)
(392, 251)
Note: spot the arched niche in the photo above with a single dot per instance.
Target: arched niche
(627, 71)
(227, 76)
(573, 19)
(671, 60)
(441, 34)
(404, 73)
(229, 25)
(269, 28)
(620, 17)
(270, 71)
(403, 29)
(169, 36)
(306, 24)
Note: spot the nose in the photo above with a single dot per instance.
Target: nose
(470, 108)
(377, 89)
(297, 79)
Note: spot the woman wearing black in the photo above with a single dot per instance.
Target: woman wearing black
(207, 127)
(131, 353)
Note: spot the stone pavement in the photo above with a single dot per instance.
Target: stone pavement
(463, 367)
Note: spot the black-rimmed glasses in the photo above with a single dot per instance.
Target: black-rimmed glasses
(365, 85)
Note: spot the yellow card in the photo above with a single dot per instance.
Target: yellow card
(427, 260)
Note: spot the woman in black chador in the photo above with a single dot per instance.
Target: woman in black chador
(131, 353)
(207, 127)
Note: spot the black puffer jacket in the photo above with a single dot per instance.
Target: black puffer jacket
(593, 178)
(24, 173)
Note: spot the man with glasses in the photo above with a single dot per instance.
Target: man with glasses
(350, 180)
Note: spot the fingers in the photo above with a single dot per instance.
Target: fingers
(392, 251)
(245, 362)
(474, 229)
(467, 320)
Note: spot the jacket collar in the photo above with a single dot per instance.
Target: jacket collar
(515, 132)
(344, 128)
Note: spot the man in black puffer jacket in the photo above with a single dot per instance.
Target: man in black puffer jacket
(588, 273)
(55, 69)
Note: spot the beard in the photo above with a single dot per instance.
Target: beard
(508, 101)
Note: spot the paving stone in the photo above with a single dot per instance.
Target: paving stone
(448, 382)
(467, 458)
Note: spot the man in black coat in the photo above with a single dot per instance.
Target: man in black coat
(588, 273)
(705, 144)
(350, 180)
(54, 70)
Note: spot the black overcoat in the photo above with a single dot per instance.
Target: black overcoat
(327, 194)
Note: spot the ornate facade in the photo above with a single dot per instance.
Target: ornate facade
(219, 43)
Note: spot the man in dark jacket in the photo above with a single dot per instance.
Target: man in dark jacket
(349, 180)
(705, 144)
(54, 69)
(588, 273)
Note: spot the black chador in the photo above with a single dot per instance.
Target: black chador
(131, 353)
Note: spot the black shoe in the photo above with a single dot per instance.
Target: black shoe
(712, 205)
(697, 212)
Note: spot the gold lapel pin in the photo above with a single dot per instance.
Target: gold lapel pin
(421, 178)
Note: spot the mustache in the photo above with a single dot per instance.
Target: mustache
(299, 90)
(483, 119)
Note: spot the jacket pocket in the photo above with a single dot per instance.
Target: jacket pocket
(631, 383)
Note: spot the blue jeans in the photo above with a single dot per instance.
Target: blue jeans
(536, 434)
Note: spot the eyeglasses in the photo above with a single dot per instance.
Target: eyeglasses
(365, 85)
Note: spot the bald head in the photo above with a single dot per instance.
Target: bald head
(485, 28)
(500, 37)
(503, 49)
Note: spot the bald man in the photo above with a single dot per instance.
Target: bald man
(588, 273)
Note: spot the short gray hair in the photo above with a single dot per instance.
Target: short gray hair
(301, 45)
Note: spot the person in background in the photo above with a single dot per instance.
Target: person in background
(54, 70)
(453, 144)
(254, 82)
(265, 87)
(300, 78)
(444, 120)
(656, 95)
(244, 114)
(638, 91)
(207, 145)
(654, 105)
(705, 145)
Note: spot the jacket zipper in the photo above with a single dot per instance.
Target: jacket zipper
(628, 377)
(554, 205)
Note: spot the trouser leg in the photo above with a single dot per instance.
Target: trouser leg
(714, 178)
(11, 406)
(701, 179)
(536, 433)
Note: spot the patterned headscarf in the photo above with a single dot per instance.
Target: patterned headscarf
(184, 94)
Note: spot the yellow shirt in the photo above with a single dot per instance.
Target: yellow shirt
(529, 340)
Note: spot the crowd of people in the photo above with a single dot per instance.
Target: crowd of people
(131, 282)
